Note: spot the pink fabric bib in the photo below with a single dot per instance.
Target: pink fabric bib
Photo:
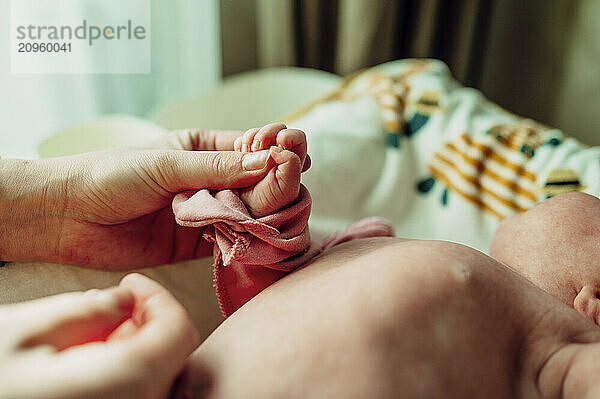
(251, 254)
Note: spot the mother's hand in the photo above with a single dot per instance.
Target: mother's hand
(112, 208)
(125, 342)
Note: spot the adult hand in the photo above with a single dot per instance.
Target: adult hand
(126, 341)
(112, 209)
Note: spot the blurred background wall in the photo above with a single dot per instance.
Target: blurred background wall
(538, 58)
(185, 61)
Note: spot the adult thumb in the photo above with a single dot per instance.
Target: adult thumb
(185, 170)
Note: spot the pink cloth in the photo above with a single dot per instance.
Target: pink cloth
(251, 254)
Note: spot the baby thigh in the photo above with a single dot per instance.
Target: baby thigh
(363, 320)
(550, 241)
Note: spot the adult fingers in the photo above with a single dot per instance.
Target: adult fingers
(165, 335)
(145, 358)
(195, 140)
(71, 319)
(176, 171)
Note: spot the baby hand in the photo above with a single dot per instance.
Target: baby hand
(275, 134)
(288, 152)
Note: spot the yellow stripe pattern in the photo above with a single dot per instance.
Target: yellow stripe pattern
(487, 173)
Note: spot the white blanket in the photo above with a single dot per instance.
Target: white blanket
(407, 142)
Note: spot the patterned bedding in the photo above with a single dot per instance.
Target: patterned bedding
(405, 141)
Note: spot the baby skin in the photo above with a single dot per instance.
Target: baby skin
(556, 245)
(288, 157)
(425, 319)
(401, 318)
(260, 232)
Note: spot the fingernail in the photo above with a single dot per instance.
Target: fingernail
(256, 145)
(99, 295)
(115, 295)
(276, 154)
(255, 160)
(124, 298)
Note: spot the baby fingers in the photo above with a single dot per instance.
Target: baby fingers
(266, 136)
(295, 140)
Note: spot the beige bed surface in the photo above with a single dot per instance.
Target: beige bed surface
(191, 282)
